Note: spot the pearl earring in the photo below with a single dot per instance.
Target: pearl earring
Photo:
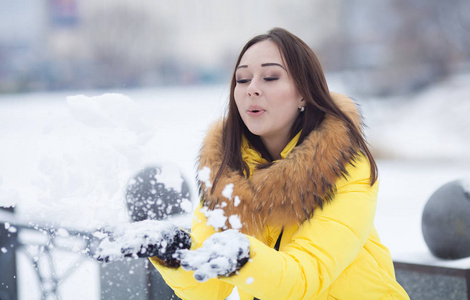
(302, 109)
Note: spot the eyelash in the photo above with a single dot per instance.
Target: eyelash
(270, 78)
(242, 81)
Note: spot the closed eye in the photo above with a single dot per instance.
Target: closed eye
(271, 78)
(241, 81)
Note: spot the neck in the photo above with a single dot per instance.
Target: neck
(275, 146)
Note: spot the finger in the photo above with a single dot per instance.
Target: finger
(186, 259)
(201, 277)
(181, 254)
(189, 265)
(220, 265)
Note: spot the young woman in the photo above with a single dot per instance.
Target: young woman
(288, 188)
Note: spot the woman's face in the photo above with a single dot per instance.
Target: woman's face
(265, 95)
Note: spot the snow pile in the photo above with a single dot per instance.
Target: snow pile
(68, 162)
(222, 254)
(134, 239)
(82, 163)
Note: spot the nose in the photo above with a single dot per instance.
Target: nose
(253, 89)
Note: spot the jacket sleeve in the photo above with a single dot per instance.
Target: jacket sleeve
(182, 282)
(320, 250)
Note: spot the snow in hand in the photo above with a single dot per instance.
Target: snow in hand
(134, 239)
(222, 254)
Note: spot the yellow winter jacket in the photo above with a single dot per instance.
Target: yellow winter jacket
(335, 254)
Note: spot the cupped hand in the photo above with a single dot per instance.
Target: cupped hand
(222, 254)
(147, 238)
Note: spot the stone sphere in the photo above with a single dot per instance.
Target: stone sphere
(157, 192)
(446, 221)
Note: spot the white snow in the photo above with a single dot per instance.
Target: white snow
(8, 196)
(68, 161)
(170, 176)
(215, 218)
(218, 255)
(235, 222)
(405, 187)
(186, 205)
(82, 163)
(250, 280)
(132, 236)
(236, 201)
(46, 129)
(79, 151)
(204, 175)
(9, 228)
(109, 110)
(228, 190)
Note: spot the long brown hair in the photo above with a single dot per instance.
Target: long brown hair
(308, 76)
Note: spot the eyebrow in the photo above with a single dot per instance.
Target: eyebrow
(263, 65)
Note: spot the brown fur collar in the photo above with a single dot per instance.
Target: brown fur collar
(287, 192)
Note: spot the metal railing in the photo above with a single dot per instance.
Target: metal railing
(135, 279)
(42, 241)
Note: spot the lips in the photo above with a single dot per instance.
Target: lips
(255, 111)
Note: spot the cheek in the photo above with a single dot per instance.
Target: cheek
(237, 97)
(287, 99)
(288, 106)
(237, 92)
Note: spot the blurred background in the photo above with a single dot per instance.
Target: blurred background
(92, 92)
(385, 47)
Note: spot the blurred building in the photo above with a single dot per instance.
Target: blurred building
(379, 47)
(33, 35)
(401, 46)
(63, 44)
(22, 36)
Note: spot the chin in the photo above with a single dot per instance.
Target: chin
(255, 130)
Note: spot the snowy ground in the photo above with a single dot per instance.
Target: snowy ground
(67, 161)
